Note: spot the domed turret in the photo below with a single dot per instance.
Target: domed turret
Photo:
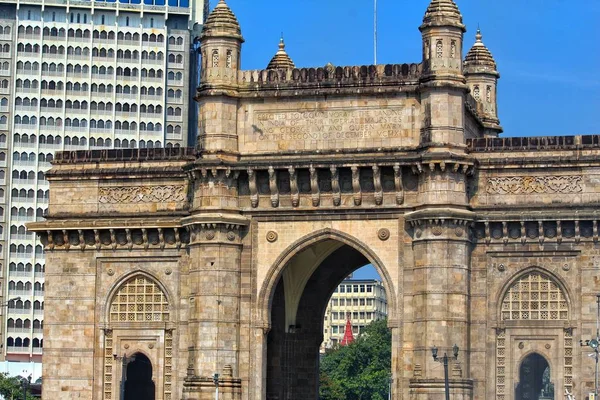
(479, 58)
(281, 59)
(220, 43)
(442, 13)
(482, 77)
(442, 31)
(222, 22)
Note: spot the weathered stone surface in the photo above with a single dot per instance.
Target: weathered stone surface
(235, 247)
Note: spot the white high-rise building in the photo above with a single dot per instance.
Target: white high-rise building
(78, 75)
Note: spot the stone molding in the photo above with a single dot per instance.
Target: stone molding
(541, 231)
(317, 181)
(115, 238)
(563, 184)
(141, 194)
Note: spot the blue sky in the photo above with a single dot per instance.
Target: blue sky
(548, 51)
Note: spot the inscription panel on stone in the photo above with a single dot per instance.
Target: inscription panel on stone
(333, 128)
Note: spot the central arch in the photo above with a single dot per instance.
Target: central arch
(295, 296)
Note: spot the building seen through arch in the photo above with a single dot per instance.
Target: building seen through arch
(217, 262)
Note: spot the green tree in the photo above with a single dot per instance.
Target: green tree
(361, 370)
(11, 389)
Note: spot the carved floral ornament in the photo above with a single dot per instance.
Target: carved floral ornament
(141, 194)
(564, 184)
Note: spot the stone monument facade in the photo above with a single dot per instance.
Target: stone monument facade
(220, 259)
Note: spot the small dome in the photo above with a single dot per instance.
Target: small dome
(281, 59)
(222, 22)
(442, 12)
(479, 58)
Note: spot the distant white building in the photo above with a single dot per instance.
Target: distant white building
(363, 300)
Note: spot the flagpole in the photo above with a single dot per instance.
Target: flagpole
(375, 32)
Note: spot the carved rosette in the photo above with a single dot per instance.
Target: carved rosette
(222, 233)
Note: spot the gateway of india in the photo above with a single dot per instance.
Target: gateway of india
(168, 266)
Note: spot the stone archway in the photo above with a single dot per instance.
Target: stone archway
(534, 379)
(298, 305)
(139, 384)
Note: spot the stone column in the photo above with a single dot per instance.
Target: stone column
(441, 276)
(215, 250)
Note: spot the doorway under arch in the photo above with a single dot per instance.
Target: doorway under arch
(534, 379)
(139, 384)
(297, 310)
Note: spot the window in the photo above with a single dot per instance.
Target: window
(476, 92)
(439, 49)
(215, 59)
(102, 20)
(362, 302)
(453, 49)
(488, 94)
(127, 21)
(369, 288)
(342, 288)
(139, 300)
(362, 288)
(151, 22)
(355, 287)
(53, 16)
(354, 302)
(535, 296)
(229, 58)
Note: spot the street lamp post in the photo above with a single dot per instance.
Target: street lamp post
(25, 383)
(444, 360)
(216, 382)
(594, 343)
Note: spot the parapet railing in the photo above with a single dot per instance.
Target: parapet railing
(331, 74)
(534, 143)
(155, 154)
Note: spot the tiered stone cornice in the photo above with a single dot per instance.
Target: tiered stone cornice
(441, 13)
(222, 22)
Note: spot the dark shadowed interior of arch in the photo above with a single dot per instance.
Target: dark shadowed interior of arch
(139, 384)
(293, 348)
(534, 379)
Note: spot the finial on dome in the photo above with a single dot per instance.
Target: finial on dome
(281, 42)
(478, 36)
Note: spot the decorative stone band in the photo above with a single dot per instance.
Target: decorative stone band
(141, 194)
(541, 231)
(441, 224)
(215, 232)
(563, 184)
(114, 238)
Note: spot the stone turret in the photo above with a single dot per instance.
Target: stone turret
(443, 85)
(281, 59)
(221, 41)
(442, 31)
(220, 44)
(482, 77)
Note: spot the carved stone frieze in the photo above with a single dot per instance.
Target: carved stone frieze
(141, 194)
(557, 231)
(215, 232)
(564, 184)
(438, 228)
(114, 239)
